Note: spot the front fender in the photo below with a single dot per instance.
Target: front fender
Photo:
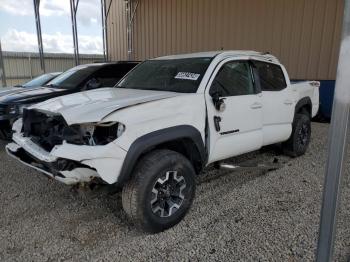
(145, 143)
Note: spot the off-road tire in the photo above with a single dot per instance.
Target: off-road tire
(138, 194)
(299, 140)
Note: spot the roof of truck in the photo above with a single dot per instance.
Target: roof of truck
(264, 56)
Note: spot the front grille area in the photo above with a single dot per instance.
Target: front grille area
(48, 130)
(43, 129)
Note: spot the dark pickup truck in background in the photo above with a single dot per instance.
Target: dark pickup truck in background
(76, 79)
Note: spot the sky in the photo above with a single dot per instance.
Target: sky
(18, 31)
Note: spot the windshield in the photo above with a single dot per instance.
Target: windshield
(39, 81)
(72, 78)
(174, 75)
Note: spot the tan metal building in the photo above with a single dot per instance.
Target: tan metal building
(303, 34)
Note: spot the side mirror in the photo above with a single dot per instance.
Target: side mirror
(219, 103)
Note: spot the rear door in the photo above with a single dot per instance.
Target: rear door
(277, 100)
(238, 128)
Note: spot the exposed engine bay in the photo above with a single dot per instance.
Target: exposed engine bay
(48, 130)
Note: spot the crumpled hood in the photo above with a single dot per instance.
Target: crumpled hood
(95, 105)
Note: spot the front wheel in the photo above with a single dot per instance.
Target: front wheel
(160, 192)
(299, 140)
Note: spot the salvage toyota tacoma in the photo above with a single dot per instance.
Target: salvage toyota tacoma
(164, 122)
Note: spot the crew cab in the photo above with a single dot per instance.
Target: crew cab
(164, 122)
(76, 79)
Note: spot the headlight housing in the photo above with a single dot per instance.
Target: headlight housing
(12, 109)
(17, 109)
(93, 134)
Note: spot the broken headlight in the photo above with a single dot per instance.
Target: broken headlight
(93, 134)
(17, 109)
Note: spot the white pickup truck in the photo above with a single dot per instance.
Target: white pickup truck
(163, 123)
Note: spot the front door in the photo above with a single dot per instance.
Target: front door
(238, 128)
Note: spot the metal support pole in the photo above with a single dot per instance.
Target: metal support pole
(38, 33)
(128, 28)
(30, 66)
(73, 11)
(337, 147)
(2, 69)
(130, 19)
(104, 16)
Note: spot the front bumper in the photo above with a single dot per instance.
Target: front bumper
(70, 164)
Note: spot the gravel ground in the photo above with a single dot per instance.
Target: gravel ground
(248, 216)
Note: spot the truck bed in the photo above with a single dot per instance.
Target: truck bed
(308, 89)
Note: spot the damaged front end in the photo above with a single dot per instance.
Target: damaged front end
(64, 170)
(69, 153)
(49, 130)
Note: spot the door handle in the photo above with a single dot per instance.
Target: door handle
(288, 102)
(217, 121)
(256, 105)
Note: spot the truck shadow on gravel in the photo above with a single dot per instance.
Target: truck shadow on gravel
(267, 155)
(111, 200)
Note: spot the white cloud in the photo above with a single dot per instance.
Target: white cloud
(22, 7)
(22, 41)
(54, 7)
(89, 11)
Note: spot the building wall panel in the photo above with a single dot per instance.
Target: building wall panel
(116, 30)
(303, 34)
(21, 67)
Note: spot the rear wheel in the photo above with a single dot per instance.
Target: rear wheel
(160, 192)
(299, 140)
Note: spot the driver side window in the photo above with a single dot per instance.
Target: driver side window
(233, 79)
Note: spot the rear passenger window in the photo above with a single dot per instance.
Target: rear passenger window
(271, 76)
(233, 79)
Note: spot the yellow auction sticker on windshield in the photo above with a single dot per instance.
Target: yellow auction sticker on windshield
(187, 76)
